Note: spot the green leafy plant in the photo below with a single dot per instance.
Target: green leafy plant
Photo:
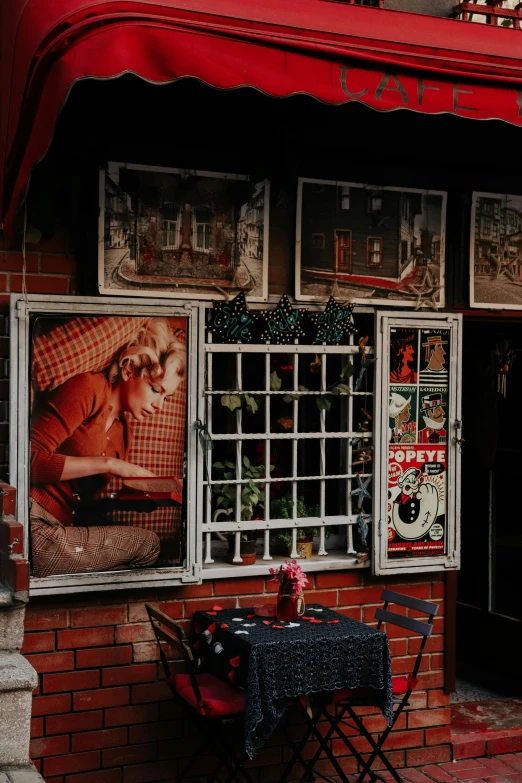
(233, 401)
(252, 493)
(282, 508)
(323, 401)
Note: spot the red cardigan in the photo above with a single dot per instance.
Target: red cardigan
(71, 422)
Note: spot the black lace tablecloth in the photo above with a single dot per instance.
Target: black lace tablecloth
(274, 665)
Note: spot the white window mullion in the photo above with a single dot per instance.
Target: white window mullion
(322, 457)
(268, 457)
(239, 443)
(295, 443)
(208, 457)
(349, 402)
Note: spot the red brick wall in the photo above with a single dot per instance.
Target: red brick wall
(102, 713)
(50, 269)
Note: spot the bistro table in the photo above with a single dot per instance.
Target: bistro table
(322, 651)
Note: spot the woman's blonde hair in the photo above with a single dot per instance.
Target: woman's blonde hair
(155, 348)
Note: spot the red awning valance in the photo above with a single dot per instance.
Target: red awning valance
(332, 51)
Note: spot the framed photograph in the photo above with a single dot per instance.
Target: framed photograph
(167, 232)
(376, 245)
(102, 443)
(496, 251)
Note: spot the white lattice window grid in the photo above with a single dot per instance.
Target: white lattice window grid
(212, 397)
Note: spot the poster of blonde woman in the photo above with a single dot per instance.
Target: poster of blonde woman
(108, 417)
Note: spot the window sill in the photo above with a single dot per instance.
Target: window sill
(110, 580)
(335, 561)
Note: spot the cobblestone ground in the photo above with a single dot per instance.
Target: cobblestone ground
(506, 768)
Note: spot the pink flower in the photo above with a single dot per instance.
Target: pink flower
(290, 576)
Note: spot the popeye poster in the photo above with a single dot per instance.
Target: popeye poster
(416, 500)
(418, 436)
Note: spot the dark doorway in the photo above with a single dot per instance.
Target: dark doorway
(343, 251)
(489, 606)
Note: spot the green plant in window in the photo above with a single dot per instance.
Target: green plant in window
(252, 493)
(282, 508)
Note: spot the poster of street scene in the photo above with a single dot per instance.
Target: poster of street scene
(418, 395)
(108, 442)
(496, 251)
(370, 244)
(182, 233)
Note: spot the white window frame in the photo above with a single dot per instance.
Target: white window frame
(173, 227)
(22, 309)
(206, 229)
(385, 320)
(322, 560)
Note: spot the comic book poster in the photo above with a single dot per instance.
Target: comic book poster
(418, 437)
(416, 500)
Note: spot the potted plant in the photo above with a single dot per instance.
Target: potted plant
(252, 497)
(282, 508)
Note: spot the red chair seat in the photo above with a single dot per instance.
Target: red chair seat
(399, 686)
(217, 698)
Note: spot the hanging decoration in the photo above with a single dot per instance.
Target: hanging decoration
(231, 321)
(333, 323)
(427, 291)
(282, 325)
(504, 358)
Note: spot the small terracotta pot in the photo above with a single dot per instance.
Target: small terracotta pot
(247, 550)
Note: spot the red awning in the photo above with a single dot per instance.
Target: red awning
(332, 51)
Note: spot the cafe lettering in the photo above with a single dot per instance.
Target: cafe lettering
(387, 90)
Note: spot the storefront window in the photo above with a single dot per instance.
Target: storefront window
(290, 447)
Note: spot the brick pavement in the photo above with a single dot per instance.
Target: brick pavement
(505, 768)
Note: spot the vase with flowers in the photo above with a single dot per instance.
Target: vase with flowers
(290, 598)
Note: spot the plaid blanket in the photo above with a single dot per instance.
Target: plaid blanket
(64, 348)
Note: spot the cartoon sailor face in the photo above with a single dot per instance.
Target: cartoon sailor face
(410, 482)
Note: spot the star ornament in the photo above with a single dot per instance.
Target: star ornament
(231, 321)
(362, 490)
(283, 324)
(333, 323)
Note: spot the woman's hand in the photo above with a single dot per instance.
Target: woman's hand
(124, 469)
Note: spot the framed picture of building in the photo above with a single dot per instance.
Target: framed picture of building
(377, 245)
(168, 232)
(496, 251)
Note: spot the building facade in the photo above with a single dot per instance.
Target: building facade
(392, 230)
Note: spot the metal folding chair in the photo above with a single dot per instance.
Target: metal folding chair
(346, 701)
(339, 708)
(213, 705)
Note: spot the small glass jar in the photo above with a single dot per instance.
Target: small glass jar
(290, 606)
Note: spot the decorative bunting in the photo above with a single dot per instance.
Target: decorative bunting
(231, 321)
(333, 323)
(282, 325)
